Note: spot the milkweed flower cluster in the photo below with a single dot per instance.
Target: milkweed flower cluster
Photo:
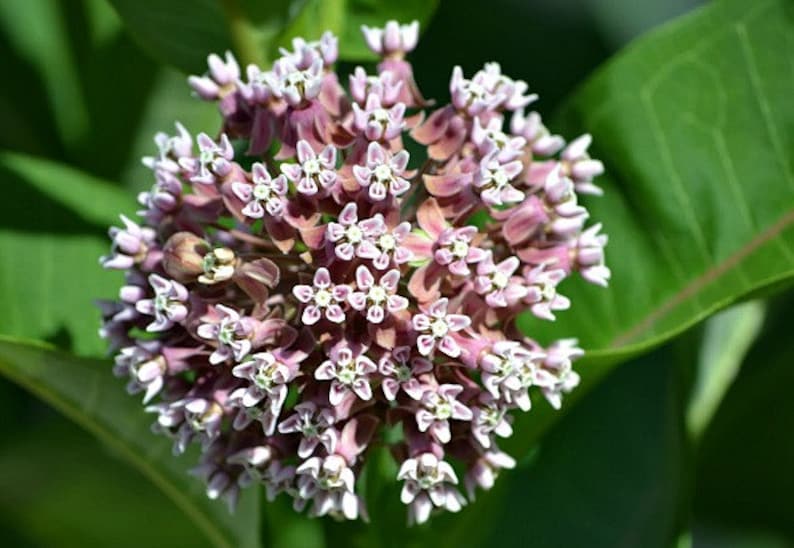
(298, 284)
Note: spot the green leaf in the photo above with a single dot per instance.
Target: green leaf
(695, 124)
(53, 225)
(56, 490)
(726, 340)
(744, 472)
(86, 392)
(179, 32)
(183, 32)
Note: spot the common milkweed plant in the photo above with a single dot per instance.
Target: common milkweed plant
(301, 289)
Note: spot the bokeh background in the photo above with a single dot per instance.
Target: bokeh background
(78, 90)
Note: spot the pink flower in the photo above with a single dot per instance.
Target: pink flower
(348, 372)
(328, 482)
(377, 297)
(439, 406)
(382, 175)
(497, 282)
(429, 482)
(230, 332)
(401, 371)
(376, 122)
(265, 195)
(393, 40)
(314, 425)
(352, 237)
(383, 85)
(322, 299)
(435, 328)
(168, 305)
(213, 162)
(314, 172)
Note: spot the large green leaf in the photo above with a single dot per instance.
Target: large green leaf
(744, 473)
(86, 392)
(53, 224)
(696, 126)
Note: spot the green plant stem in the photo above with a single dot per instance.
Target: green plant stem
(243, 35)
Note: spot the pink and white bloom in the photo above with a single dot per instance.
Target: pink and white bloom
(168, 305)
(266, 195)
(435, 327)
(377, 297)
(314, 172)
(322, 299)
(230, 332)
(376, 122)
(329, 483)
(382, 174)
(353, 238)
(439, 406)
(213, 162)
(429, 483)
(392, 40)
(401, 371)
(498, 283)
(349, 373)
(315, 426)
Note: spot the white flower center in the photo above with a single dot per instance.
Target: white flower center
(354, 234)
(460, 249)
(387, 242)
(439, 328)
(499, 279)
(262, 191)
(383, 173)
(322, 298)
(377, 294)
(311, 167)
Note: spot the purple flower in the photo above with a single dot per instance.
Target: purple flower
(222, 73)
(376, 122)
(230, 332)
(489, 418)
(322, 299)
(382, 175)
(213, 162)
(354, 238)
(269, 377)
(435, 327)
(429, 482)
(130, 245)
(314, 172)
(384, 85)
(498, 283)
(400, 371)
(439, 406)
(144, 366)
(266, 195)
(316, 294)
(168, 305)
(294, 85)
(377, 297)
(393, 40)
(328, 482)
(494, 181)
(578, 165)
(485, 469)
(531, 128)
(348, 372)
(314, 425)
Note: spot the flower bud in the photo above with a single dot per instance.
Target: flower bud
(183, 256)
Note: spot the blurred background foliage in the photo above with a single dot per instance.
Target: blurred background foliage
(664, 453)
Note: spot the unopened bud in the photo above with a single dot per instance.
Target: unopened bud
(183, 256)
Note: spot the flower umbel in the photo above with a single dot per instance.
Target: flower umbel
(295, 290)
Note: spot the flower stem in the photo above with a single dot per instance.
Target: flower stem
(243, 35)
